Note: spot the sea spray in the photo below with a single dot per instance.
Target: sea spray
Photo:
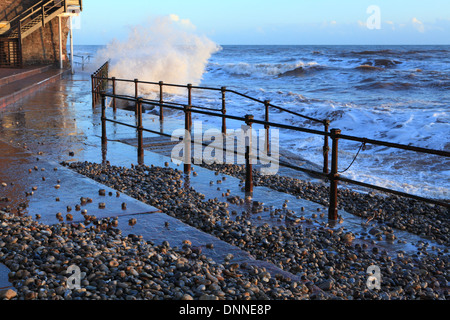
(165, 48)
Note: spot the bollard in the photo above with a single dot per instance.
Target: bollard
(140, 132)
(248, 160)
(334, 176)
(326, 148)
(104, 138)
(187, 140)
(224, 111)
(161, 101)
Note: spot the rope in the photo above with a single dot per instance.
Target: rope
(363, 146)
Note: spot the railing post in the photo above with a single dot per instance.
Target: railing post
(93, 91)
(104, 138)
(334, 176)
(248, 159)
(267, 127)
(136, 93)
(114, 93)
(187, 140)
(189, 86)
(20, 44)
(224, 111)
(140, 131)
(43, 16)
(161, 101)
(326, 147)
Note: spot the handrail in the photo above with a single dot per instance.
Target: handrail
(41, 4)
(217, 89)
(40, 8)
(98, 83)
(223, 90)
(334, 176)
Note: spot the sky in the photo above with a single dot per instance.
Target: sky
(276, 22)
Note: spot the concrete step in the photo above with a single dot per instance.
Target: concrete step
(23, 86)
(9, 75)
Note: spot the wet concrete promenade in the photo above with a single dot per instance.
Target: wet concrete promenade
(58, 124)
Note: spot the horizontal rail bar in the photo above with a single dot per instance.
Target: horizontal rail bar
(395, 145)
(157, 132)
(121, 123)
(399, 193)
(216, 89)
(290, 127)
(336, 135)
(297, 114)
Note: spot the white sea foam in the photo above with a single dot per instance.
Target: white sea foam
(165, 48)
(372, 104)
(263, 69)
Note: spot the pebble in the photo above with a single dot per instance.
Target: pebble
(301, 251)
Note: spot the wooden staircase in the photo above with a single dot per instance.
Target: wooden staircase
(26, 23)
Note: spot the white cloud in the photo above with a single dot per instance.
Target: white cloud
(186, 23)
(418, 25)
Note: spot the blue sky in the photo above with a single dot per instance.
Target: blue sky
(276, 21)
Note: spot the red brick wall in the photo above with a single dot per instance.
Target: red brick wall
(11, 8)
(42, 46)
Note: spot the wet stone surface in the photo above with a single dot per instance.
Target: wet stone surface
(287, 235)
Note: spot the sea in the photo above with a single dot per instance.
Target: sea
(398, 94)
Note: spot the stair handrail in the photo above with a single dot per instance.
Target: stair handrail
(39, 8)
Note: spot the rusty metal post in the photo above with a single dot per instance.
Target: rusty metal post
(136, 94)
(93, 91)
(224, 111)
(114, 93)
(248, 160)
(161, 101)
(187, 140)
(103, 118)
(326, 147)
(189, 86)
(267, 127)
(140, 131)
(334, 176)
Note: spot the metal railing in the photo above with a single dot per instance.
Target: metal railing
(24, 24)
(85, 59)
(97, 78)
(35, 14)
(334, 176)
(10, 53)
(99, 83)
